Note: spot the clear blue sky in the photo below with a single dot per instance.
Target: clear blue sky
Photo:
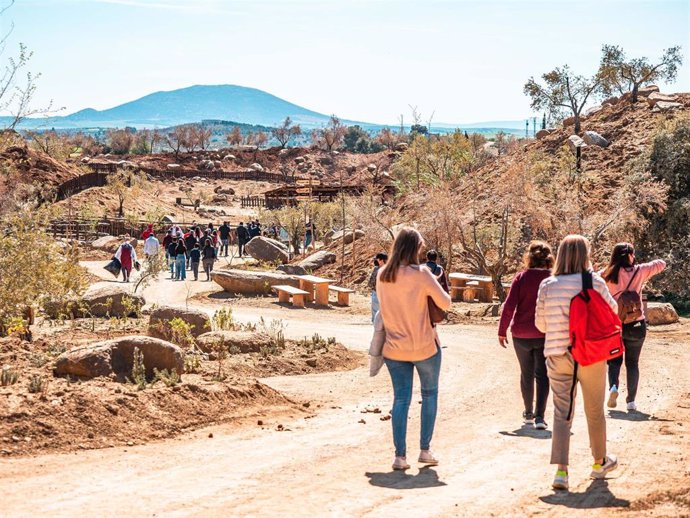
(364, 60)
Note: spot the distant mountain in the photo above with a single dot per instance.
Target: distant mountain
(219, 102)
(192, 104)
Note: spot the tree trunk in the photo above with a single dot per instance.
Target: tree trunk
(635, 89)
(577, 123)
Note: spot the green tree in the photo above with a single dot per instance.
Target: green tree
(562, 91)
(622, 74)
(33, 268)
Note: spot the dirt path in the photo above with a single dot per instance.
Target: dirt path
(334, 465)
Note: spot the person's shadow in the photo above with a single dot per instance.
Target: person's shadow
(634, 415)
(427, 477)
(528, 431)
(597, 495)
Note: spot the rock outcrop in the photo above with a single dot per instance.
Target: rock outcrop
(575, 142)
(543, 133)
(160, 317)
(656, 97)
(663, 106)
(99, 300)
(106, 243)
(116, 357)
(317, 260)
(660, 313)
(347, 235)
(266, 249)
(244, 342)
(247, 282)
(592, 138)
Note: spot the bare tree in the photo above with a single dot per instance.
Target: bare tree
(120, 140)
(332, 135)
(176, 139)
(201, 135)
(286, 131)
(622, 74)
(260, 138)
(562, 91)
(234, 138)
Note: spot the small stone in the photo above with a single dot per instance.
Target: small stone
(385, 417)
(130, 443)
(90, 435)
(362, 421)
(16, 438)
(311, 362)
(210, 436)
(260, 422)
(306, 405)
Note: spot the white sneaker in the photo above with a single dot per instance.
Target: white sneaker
(560, 481)
(400, 463)
(613, 397)
(427, 457)
(600, 470)
(632, 407)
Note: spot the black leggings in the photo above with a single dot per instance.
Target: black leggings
(633, 338)
(530, 354)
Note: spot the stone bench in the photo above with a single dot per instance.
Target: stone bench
(470, 291)
(343, 294)
(285, 292)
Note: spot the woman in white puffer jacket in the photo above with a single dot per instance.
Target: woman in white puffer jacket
(552, 317)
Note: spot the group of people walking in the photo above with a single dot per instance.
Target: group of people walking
(186, 251)
(537, 312)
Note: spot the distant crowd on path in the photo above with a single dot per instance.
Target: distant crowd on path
(569, 325)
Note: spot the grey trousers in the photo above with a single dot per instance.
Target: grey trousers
(592, 379)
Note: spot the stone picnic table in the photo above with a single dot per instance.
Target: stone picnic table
(481, 285)
(311, 283)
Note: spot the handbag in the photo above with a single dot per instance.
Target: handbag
(436, 314)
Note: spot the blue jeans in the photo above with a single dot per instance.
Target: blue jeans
(402, 376)
(181, 267)
(307, 241)
(374, 305)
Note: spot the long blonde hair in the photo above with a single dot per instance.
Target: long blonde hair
(405, 251)
(573, 256)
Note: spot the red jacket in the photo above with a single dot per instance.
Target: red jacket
(521, 304)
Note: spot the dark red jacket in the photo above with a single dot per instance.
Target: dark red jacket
(521, 303)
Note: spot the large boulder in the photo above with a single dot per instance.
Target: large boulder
(292, 269)
(655, 97)
(116, 357)
(575, 142)
(106, 243)
(250, 282)
(663, 106)
(167, 219)
(647, 90)
(542, 133)
(592, 110)
(99, 300)
(173, 167)
(257, 167)
(317, 260)
(265, 249)
(401, 146)
(660, 313)
(592, 138)
(347, 236)
(568, 121)
(611, 100)
(245, 342)
(159, 321)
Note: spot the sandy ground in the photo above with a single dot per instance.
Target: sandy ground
(336, 465)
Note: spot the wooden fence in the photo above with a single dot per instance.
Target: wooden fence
(269, 203)
(79, 183)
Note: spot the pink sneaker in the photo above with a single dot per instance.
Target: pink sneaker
(428, 457)
(400, 463)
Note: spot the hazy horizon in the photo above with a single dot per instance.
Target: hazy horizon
(463, 61)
